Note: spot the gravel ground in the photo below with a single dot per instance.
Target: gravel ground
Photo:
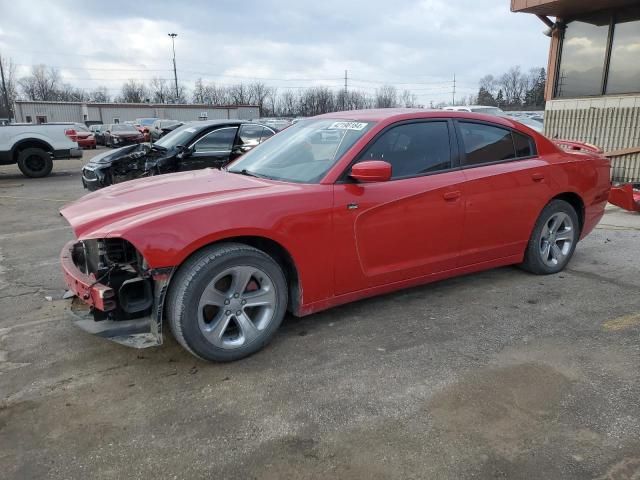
(500, 374)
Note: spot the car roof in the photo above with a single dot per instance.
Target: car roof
(202, 124)
(399, 114)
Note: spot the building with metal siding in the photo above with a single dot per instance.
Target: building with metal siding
(43, 112)
(593, 80)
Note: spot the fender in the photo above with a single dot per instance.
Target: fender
(34, 139)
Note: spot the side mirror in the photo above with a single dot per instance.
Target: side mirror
(184, 151)
(371, 171)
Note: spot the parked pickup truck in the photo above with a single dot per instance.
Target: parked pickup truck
(34, 147)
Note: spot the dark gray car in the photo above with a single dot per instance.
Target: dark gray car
(192, 146)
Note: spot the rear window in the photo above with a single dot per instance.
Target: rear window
(523, 145)
(123, 128)
(486, 143)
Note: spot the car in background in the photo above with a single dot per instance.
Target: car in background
(85, 136)
(486, 109)
(170, 128)
(278, 124)
(521, 117)
(193, 146)
(144, 125)
(98, 133)
(35, 147)
(160, 128)
(399, 198)
(120, 134)
(529, 122)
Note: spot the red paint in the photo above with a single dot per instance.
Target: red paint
(353, 240)
(85, 286)
(624, 196)
(371, 171)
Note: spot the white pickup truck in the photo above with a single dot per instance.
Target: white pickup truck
(34, 147)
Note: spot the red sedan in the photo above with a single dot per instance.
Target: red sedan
(333, 209)
(84, 137)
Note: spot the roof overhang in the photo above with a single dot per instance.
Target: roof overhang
(566, 8)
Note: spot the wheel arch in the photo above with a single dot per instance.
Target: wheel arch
(576, 202)
(275, 250)
(29, 143)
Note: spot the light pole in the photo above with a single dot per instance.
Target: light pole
(175, 73)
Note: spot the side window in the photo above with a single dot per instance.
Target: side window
(413, 149)
(250, 135)
(216, 141)
(524, 145)
(484, 143)
(266, 133)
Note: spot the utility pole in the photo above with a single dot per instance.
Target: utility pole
(4, 91)
(175, 73)
(454, 91)
(344, 100)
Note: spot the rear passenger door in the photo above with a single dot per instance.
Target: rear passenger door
(249, 136)
(505, 189)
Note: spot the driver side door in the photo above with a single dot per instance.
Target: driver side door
(409, 226)
(213, 149)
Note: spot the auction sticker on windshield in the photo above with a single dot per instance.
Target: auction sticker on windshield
(347, 126)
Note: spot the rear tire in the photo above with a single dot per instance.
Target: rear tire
(226, 302)
(553, 240)
(35, 162)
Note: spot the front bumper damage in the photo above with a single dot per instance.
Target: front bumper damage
(96, 307)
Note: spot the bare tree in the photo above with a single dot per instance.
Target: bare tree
(272, 101)
(199, 92)
(386, 97)
(69, 93)
(99, 95)
(42, 84)
(161, 91)
(239, 94)
(490, 84)
(409, 99)
(217, 95)
(133, 92)
(258, 94)
(513, 85)
(288, 104)
(9, 70)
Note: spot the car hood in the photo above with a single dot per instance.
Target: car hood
(108, 157)
(97, 213)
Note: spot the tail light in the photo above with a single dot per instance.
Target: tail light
(72, 134)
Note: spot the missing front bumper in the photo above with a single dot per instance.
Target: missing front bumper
(137, 333)
(140, 332)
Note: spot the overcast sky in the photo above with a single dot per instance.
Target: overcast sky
(290, 44)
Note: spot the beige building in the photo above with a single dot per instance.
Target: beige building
(593, 83)
(85, 112)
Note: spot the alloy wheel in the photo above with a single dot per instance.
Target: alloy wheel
(236, 306)
(556, 240)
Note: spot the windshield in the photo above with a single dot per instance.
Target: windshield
(302, 153)
(488, 110)
(123, 128)
(179, 136)
(145, 122)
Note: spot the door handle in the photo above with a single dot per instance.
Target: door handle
(537, 177)
(451, 196)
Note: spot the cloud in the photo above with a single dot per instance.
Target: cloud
(414, 44)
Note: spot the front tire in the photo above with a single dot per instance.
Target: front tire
(553, 239)
(226, 302)
(35, 162)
